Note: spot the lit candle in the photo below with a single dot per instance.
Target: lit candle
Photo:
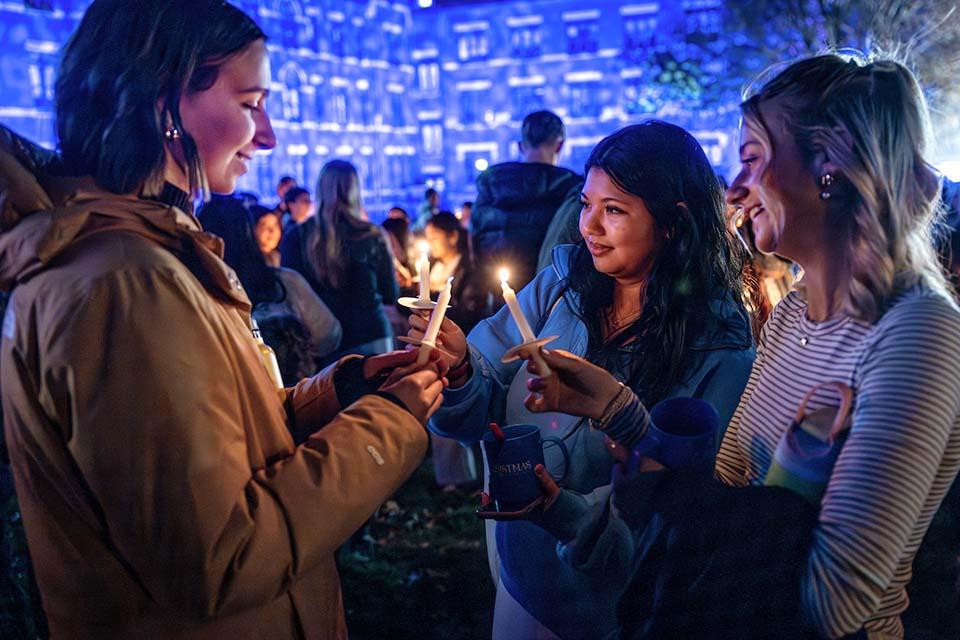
(423, 269)
(436, 319)
(526, 333)
(510, 297)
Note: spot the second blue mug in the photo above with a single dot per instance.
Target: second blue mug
(682, 433)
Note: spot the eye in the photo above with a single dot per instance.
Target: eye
(610, 209)
(749, 161)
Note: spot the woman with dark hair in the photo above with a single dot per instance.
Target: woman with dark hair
(652, 295)
(272, 291)
(450, 249)
(268, 232)
(162, 493)
(833, 176)
(347, 261)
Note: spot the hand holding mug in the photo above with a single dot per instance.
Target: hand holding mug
(576, 387)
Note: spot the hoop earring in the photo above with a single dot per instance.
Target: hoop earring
(172, 134)
(826, 181)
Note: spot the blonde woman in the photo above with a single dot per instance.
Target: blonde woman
(347, 261)
(834, 178)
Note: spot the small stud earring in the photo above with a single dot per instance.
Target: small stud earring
(172, 134)
(826, 181)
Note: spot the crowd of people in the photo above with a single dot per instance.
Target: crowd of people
(171, 487)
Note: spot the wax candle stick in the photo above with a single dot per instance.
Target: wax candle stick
(526, 333)
(423, 269)
(436, 319)
(510, 297)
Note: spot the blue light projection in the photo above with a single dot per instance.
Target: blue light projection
(429, 97)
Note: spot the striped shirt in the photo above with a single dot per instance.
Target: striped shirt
(902, 454)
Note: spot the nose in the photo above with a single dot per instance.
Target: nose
(736, 192)
(589, 223)
(263, 136)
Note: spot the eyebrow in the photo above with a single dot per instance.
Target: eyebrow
(746, 144)
(256, 89)
(607, 199)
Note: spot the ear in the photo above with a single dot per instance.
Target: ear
(559, 145)
(822, 164)
(522, 148)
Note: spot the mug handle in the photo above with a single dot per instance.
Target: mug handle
(563, 450)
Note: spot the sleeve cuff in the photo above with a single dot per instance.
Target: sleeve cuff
(565, 516)
(458, 395)
(349, 383)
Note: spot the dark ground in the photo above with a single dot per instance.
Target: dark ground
(419, 569)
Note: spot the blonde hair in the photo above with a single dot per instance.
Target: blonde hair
(871, 120)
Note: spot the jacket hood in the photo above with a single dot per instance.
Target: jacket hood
(41, 216)
(728, 326)
(510, 184)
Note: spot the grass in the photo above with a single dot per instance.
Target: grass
(419, 568)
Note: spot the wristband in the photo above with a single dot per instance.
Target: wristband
(616, 404)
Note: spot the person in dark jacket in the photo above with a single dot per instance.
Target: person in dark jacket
(346, 260)
(517, 200)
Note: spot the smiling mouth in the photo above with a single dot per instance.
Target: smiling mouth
(598, 249)
(755, 211)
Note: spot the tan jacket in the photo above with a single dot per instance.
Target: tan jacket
(162, 494)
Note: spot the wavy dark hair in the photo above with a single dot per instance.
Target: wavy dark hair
(124, 60)
(697, 262)
(225, 216)
(337, 223)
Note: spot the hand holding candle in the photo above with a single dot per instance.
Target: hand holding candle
(526, 333)
(436, 319)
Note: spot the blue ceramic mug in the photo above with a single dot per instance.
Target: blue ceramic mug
(682, 434)
(511, 461)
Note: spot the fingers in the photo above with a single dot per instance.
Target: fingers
(420, 318)
(536, 403)
(432, 363)
(548, 486)
(417, 322)
(436, 405)
(375, 364)
(560, 359)
(434, 388)
(537, 385)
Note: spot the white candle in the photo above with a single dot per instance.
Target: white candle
(423, 269)
(510, 297)
(436, 316)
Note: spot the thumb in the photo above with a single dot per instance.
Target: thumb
(548, 486)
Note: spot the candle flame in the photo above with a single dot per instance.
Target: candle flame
(423, 247)
(504, 274)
